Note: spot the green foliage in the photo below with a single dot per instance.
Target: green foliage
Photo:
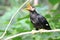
(53, 2)
(21, 22)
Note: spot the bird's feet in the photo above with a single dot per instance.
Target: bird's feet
(33, 31)
(41, 30)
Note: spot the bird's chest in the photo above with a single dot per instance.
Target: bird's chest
(34, 18)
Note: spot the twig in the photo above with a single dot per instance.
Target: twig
(56, 30)
(12, 19)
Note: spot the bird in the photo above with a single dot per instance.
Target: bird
(38, 21)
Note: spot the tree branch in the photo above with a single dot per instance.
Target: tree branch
(13, 17)
(56, 30)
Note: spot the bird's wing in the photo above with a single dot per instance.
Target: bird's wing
(44, 22)
(41, 19)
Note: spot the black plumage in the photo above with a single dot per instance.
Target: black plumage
(38, 20)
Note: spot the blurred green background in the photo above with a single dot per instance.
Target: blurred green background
(50, 9)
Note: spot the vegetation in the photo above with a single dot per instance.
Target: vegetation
(21, 22)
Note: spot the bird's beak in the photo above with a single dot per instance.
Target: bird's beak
(28, 7)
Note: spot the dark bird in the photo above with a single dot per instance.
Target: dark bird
(37, 20)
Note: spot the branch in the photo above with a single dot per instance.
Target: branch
(13, 17)
(56, 30)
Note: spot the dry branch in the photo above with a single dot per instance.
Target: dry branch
(13, 17)
(56, 30)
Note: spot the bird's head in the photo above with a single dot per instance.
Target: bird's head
(29, 7)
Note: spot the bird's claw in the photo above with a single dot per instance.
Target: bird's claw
(41, 30)
(33, 31)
